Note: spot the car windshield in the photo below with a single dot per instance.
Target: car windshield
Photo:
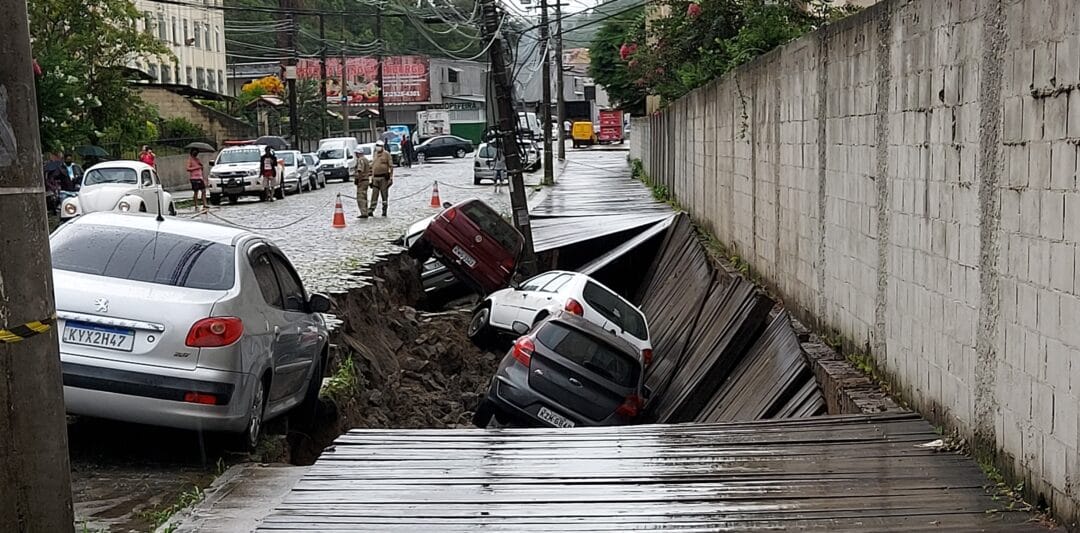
(111, 175)
(395, 147)
(589, 352)
(333, 153)
(616, 310)
(492, 224)
(238, 156)
(289, 158)
(486, 152)
(143, 255)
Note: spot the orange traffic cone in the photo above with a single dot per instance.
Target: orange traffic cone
(339, 214)
(435, 201)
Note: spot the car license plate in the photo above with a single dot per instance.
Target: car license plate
(465, 257)
(111, 338)
(554, 419)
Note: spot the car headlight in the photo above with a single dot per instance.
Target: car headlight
(124, 206)
(251, 173)
(70, 209)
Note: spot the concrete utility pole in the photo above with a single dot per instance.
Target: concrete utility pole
(34, 468)
(560, 97)
(290, 78)
(322, 75)
(379, 73)
(343, 94)
(545, 74)
(507, 126)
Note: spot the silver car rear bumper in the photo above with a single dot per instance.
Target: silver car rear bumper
(134, 394)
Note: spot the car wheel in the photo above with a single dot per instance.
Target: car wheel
(215, 199)
(476, 181)
(172, 209)
(279, 193)
(307, 412)
(421, 158)
(233, 199)
(460, 153)
(249, 439)
(479, 330)
(482, 417)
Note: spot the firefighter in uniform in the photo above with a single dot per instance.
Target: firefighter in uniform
(382, 172)
(363, 180)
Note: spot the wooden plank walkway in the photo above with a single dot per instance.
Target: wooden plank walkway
(853, 473)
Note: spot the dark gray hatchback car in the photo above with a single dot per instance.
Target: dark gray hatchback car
(566, 372)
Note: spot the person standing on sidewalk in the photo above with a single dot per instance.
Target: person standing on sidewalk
(382, 171)
(363, 182)
(195, 176)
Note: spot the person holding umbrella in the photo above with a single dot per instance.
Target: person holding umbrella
(198, 182)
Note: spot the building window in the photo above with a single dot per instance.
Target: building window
(200, 77)
(217, 39)
(190, 79)
(166, 74)
(186, 34)
(195, 26)
(148, 23)
(221, 82)
(210, 85)
(176, 72)
(152, 69)
(451, 75)
(175, 37)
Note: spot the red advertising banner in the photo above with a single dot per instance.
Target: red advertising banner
(405, 77)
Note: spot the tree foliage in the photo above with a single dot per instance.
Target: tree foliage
(703, 39)
(607, 66)
(83, 91)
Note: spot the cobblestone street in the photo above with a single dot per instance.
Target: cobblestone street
(326, 257)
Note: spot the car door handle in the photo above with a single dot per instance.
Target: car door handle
(574, 382)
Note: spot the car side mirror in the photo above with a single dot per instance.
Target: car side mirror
(318, 303)
(520, 328)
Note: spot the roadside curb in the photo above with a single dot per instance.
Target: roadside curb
(259, 487)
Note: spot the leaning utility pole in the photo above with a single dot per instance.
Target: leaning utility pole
(545, 74)
(379, 73)
(322, 75)
(507, 128)
(34, 466)
(560, 97)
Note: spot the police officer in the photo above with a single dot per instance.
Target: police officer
(363, 181)
(382, 172)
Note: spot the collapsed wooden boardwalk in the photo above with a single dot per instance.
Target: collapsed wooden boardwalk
(853, 473)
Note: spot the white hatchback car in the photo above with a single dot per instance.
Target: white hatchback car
(576, 293)
(119, 186)
(183, 324)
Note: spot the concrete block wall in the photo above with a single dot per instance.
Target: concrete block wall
(907, 177)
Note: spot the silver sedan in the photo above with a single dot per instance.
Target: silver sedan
(183, 324)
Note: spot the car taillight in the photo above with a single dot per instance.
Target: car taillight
(574, 306)
(450, 214)
(215, 332)
(631, 407)
(646, 355)
(523, 350)
(507, 264)
(200, 397)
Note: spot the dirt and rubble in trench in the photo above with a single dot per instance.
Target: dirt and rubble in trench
(399, 362)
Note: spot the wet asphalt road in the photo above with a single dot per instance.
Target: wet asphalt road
(122, 474)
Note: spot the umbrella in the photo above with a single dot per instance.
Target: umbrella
(202, 147)
(277, 143)
(91, 151)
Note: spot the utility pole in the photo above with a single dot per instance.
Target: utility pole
(34, 470)
(344, 94)
(507, 126)
(545, 74)
(290, 78)
(322, 75)
(560, 97)
(379, 73)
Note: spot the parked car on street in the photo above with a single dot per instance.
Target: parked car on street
(294, 171)
(368, 150)
(566, 372)
(443, 146)
(484, 160)
(125, 186)
(235, 173)
(183, 324)
(583, 133)
(316, 178)
(560, 290)
(475, 243)
(336, 157)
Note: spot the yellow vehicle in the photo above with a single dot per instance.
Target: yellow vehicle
(583, 134)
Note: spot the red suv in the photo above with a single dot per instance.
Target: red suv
(475, 243)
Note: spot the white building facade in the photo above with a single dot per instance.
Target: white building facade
(195, 32)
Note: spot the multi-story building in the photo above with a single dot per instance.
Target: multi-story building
(195, 32)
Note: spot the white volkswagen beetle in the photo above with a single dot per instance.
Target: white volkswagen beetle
(126, 186)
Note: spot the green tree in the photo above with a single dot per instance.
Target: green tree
(607, 66)
(84, 48)
(309, 109)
